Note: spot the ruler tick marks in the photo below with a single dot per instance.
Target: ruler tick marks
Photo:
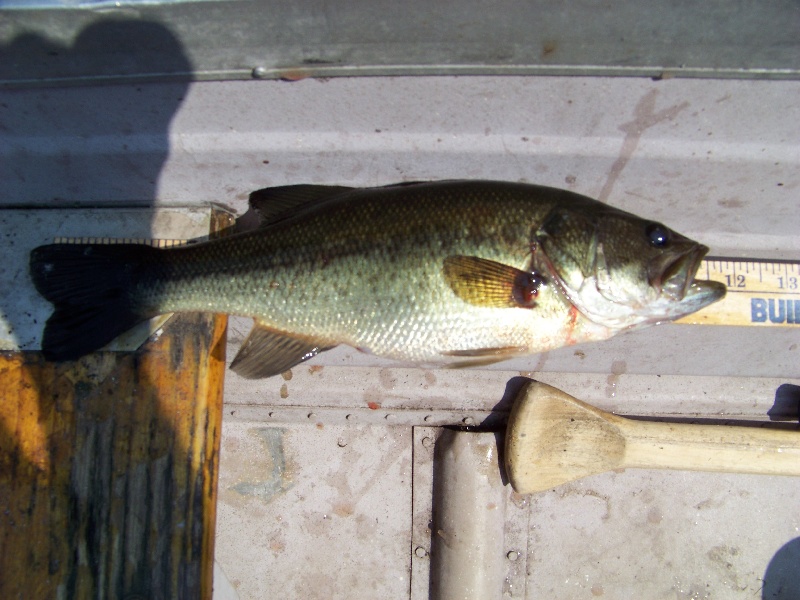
(772, 301)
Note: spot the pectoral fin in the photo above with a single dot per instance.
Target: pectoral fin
(491, 284)
(267, 352)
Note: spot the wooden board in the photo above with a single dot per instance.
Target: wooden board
(108, 468)
(109, 465)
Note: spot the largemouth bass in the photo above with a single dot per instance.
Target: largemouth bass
(460, 272)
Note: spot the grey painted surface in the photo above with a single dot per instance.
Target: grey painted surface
(316, 504)
(272, 39)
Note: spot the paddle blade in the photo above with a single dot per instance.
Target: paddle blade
(553, 438)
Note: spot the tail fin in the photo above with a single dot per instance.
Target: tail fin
(90, 287)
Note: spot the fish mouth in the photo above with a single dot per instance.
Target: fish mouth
(701, 293)
(673, 274)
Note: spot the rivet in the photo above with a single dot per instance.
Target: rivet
(512, 555)
(420, 552)
(259, 73)
(427, 442)
(389, 417)
(468, 421)
(349, 417)
(428, 418)
(311, 415)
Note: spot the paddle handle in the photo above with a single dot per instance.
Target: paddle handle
(720, 448)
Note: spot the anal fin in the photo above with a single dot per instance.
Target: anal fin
(267, 352)
(480, 357)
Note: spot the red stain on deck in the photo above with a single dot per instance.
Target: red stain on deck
(373, 405)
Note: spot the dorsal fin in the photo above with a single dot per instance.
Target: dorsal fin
(403, 184)
(274, 204)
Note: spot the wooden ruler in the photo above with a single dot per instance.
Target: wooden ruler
(109, 241)
(761, 293)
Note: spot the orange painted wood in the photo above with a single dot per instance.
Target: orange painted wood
(108, 468)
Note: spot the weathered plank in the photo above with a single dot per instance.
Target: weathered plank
(108, 468)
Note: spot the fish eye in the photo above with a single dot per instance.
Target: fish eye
(657, 234)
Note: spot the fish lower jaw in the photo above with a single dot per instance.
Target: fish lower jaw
(618, 317)
(662, 311)
(601, 311)
(662, 308)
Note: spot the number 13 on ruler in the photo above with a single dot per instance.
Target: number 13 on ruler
(760, 293)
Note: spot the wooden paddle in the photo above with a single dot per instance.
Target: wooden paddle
(553, 438)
